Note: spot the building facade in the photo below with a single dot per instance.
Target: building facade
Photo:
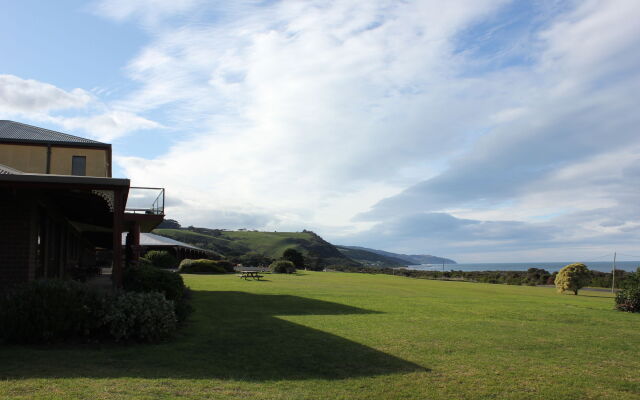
(59, 204)
(35, 150)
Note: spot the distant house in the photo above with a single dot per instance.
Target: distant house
(150, 241)
(59, 203)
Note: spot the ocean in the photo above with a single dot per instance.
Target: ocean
(604, 266)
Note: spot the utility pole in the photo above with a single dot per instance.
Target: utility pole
(613, 276)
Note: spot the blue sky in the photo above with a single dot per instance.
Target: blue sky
(483, 131)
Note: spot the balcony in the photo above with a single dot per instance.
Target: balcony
(145, 200)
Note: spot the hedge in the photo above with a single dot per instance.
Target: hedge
(203, 266)
(49, 311)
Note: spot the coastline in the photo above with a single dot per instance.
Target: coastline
(602, 266)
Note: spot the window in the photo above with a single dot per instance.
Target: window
(79, 165)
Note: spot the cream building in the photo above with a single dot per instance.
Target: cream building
(35, 150)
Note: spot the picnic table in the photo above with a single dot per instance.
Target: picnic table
(246, 274)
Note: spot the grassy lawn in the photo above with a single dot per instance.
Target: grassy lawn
(355, 336)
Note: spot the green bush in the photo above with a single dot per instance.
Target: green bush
(203, 266)
(226, 265)
(282, 267)
(573, 277)
(150, 279)
(144, 279)
(633, 280)
(147, 317)
(53, 310)
(185, 263)
(628, 300)
(161, 259)
(48, 311)
(143, 262)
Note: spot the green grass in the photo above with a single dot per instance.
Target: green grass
(355, 336)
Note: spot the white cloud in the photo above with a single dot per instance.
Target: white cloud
(25, 96)
(303, 108)
(43, 102)
(314, 112)
(109, 125)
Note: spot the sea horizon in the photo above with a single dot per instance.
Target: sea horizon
(602, 266)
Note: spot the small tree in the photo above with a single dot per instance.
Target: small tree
(573, 277)
(294, 256)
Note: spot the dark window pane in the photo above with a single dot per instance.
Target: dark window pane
(79, 165)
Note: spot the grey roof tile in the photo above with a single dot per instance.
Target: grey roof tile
(151, 239)
(11, 131)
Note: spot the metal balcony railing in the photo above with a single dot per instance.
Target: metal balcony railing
(145, 200)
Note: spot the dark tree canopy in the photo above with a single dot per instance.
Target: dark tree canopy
(294, 256)
(169, 224)
(254, 259)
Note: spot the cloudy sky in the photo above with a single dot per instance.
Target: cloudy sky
(484, 130)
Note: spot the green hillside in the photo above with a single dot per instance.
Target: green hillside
(370, 258)
(317, 251)
(408, 259)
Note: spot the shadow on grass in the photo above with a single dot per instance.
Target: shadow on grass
(232, 335)
(597, 297)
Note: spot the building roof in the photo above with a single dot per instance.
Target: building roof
(4, 170)
(16, 132)
(152, 240)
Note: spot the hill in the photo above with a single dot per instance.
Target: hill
(413, 259)
(370, 258)
(318, 252)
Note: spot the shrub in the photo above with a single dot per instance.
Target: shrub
(161, 259)
(203, 266)
(185, 263)
(144, 262)
(143, 279)
(572, 277)
(51, 310)
(226, 265)
(140, 316)
(628, 300)
(150, 279)
(633, 280)
(282, 267)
